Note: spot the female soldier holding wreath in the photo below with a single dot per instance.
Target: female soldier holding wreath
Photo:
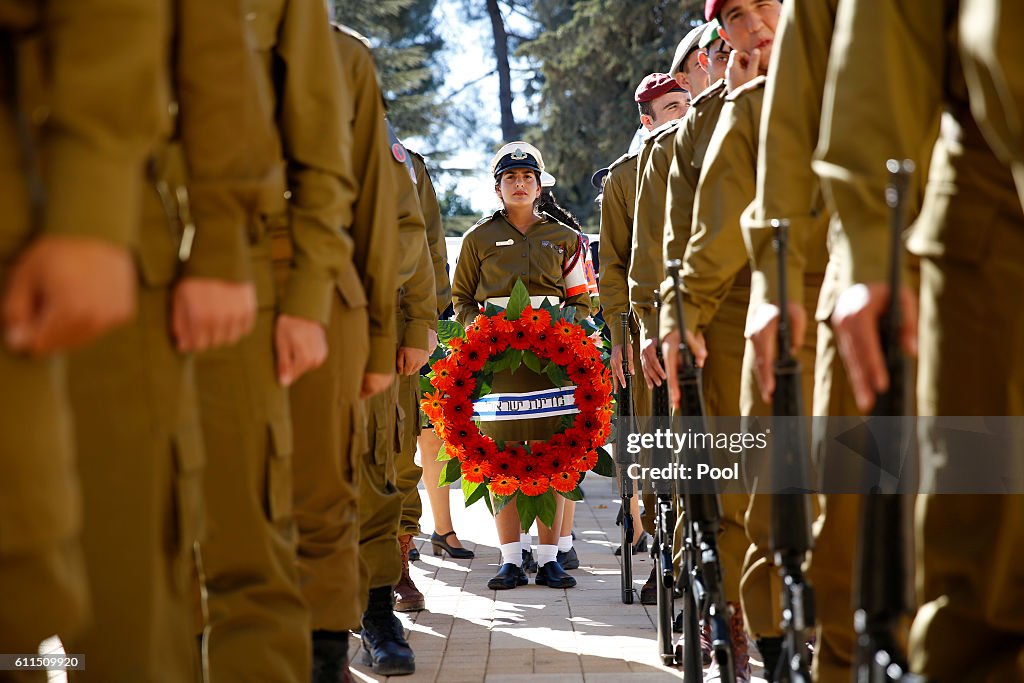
(517, 243)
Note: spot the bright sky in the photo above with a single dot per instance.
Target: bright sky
(469, 56)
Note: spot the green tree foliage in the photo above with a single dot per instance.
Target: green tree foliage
(407, 48)
(592, 55)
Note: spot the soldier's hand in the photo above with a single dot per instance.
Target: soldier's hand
(410, 360)
(619, 379)
(374, 383)
(670, 352)
(743, 68)
(431, 342)
(206, 313)
(653, 372)
(855, 320)
(762, 331)
(301, 345)
(64, 291)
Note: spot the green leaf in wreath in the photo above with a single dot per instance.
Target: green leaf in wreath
(425, 386)
(501, 362)
(515, 360)
(501, 501)
(576, 494)
(557, 375)
(448, 330)
(442, 454)
(487, 499)
(532, 361)
(546, 505)
(519, 300)
(491, 310)
(473, 492)
(527, 507)
(451, 473)
(605, 465)
(566, 422)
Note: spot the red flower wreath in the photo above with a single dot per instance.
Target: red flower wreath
(498, 340)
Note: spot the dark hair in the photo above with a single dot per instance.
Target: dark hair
(646, 108)
(548, 205)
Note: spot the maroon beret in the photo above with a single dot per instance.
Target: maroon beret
(654, 86)
(712, 8)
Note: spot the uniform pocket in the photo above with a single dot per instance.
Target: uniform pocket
(188, 502)
(279, 471)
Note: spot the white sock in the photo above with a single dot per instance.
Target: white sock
(512, 553)
(564, 544)
(526, 540)
(546, 553)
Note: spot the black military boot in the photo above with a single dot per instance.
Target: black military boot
(384, 644)
(330, 657)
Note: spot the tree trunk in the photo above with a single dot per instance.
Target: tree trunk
(509, 127)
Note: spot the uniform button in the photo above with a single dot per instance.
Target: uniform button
(250, 16)
(524, 254)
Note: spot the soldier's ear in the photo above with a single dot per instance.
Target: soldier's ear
(646, 121)
(702, 59)
(724, 35)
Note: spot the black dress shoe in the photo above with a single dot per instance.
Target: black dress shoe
(568, 559)
(441, 547)
(649, 593)
(414, 554)
(509, 576)
(639, 547)
(553, 576)
(529, 564)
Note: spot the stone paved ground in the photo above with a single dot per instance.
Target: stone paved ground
(533, 634)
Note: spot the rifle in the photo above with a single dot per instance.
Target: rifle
(880, 599)
(791, 530)
(702, 577)
(624, 403)
(664, 526)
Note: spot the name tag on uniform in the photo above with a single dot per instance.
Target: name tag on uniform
(506, 243)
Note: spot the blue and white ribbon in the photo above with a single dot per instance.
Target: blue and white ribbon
(526, 406)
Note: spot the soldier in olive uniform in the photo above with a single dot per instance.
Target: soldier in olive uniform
(408, 597)
(686, 65)
(380, 500)
(970, 237)
(259, 624)
(517, 243)
(141, 464)
(327, 412)
(74, 135)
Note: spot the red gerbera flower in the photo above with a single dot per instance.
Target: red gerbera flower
(560, 351)
(534, 486)
(578, 373)
(433, 405)
(537, 320)
(521, 338)
(585, 461)
(564, 329)
(474, 355)
(565, 481)
(586, 398)
(481, 325)
(455, 343)
(475, 472)
(504, 485)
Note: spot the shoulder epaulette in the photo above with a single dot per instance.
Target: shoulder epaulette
(750, 86)
(711, 91)
(666, 130)
(352, 33)
(621, 160)
(485, 219)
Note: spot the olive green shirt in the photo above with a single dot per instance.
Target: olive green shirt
(94, 120)
(647, 268)
(967, 185)
(375, 216)
(302, 72)
(787, 187)
(416, 288)
(435, 232)
(615, 246)
(495, 254)
(716, 255)
(689, 150)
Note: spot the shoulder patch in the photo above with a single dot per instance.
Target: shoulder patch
(621, 160)
(749, 86)
(709, 92)
(399, 152)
